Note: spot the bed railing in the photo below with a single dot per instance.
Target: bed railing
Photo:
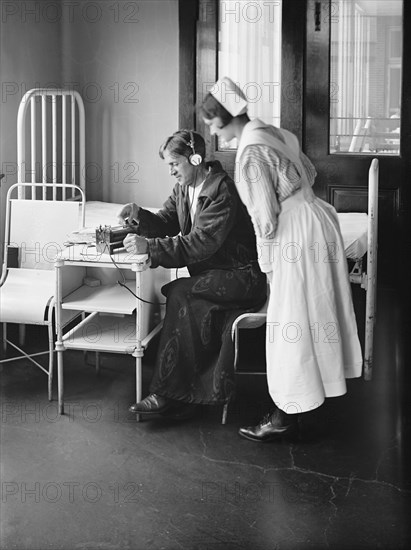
(61, 159)
(370, 282)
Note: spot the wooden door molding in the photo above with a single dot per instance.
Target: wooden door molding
(316, 91)
(293, 37)
(206, 70)
(187, 19)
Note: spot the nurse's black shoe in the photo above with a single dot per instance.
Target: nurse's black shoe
(152, 404)
(272, 427)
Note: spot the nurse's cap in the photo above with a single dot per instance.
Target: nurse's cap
(229, 95)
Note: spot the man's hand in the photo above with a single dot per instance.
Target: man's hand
(135, 244)
(129, 214)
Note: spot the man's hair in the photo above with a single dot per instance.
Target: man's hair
(179, 144)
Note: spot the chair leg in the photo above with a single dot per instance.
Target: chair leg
(225, 411)
(5, 337)
(51, 361)
(22, 334)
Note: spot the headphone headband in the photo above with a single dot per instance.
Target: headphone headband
(195, 159)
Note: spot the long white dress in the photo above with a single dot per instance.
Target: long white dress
(312, 343)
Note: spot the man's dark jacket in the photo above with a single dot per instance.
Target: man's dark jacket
(222, 236)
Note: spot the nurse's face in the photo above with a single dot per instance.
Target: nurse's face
(180, 168)
(217, 127)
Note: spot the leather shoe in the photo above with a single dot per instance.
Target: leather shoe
(152, 404)
(272, 426)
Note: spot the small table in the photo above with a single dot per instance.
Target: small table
(87, 285)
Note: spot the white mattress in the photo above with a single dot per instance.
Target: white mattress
(102, 213)
(354, 225)
(105, 213)
(354, 230)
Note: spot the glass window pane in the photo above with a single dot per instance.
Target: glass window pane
(249, 52)
(366, 63)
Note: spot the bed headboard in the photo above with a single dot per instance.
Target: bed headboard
(51, 143)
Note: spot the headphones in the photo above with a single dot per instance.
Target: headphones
(195, 159)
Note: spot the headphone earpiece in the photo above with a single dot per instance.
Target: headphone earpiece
(195, 159)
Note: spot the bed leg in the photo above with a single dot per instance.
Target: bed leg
(369, 343)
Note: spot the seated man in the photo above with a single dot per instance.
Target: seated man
(203, 225)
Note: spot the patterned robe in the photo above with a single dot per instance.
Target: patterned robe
(195, 357)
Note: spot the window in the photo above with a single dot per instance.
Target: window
(249, 52)
(366, 62)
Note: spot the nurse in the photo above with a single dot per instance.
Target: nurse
(312, 344)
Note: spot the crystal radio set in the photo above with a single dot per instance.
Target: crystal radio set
(110, 238)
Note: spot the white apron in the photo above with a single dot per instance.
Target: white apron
(312, 344)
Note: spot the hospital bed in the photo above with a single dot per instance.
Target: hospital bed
(51, 148)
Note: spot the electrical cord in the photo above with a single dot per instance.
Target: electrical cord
(124, 285)
(190, 204)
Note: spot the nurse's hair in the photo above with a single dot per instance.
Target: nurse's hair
(212, 108)
(184, 142)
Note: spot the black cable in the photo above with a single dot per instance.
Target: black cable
(124, 285)
(190, 204)
(138, 297)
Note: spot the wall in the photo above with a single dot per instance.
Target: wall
(123, 58)
(27, 60)
(30, 56)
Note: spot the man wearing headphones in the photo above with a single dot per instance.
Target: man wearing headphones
(202, 225)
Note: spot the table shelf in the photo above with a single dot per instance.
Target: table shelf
(97, 332)
(111, 298)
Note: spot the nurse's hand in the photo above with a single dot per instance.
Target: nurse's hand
(129, 214)
(135, 244)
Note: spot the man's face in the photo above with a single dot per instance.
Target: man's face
(180, 168)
